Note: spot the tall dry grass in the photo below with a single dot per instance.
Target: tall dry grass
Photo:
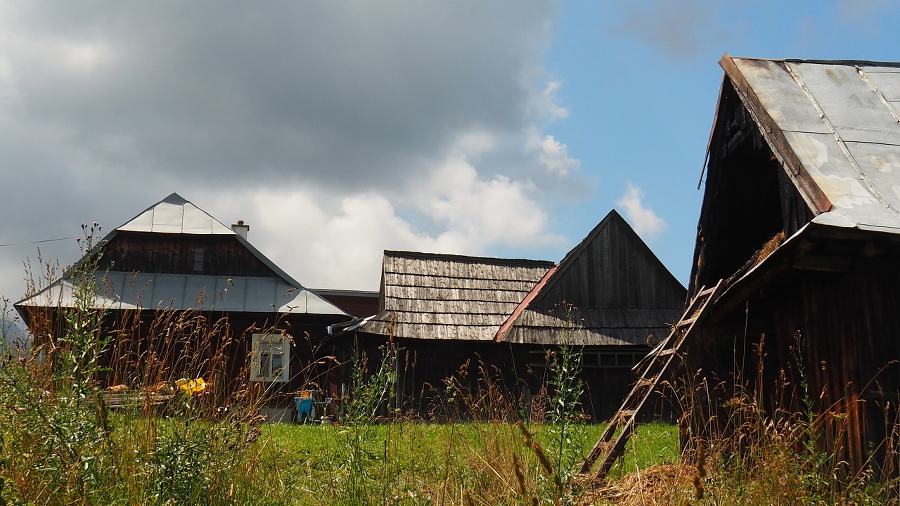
(174, 428)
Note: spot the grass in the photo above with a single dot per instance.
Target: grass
(427, 463)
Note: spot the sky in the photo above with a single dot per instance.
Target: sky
(337, 130)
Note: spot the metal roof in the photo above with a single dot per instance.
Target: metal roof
(122, 290)
(175, 215)
(835, 127)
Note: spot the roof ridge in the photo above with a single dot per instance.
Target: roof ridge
(821, 61)
(419, 255)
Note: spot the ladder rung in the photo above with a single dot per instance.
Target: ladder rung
(625, 413)
(644, 382)
(686, 322)
(624, 419)
(705, 293)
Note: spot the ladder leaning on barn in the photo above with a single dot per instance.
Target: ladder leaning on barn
(656, 365)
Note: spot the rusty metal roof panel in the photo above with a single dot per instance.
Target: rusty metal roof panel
(780, 96)
(841, 120)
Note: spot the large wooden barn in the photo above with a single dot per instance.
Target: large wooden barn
(801, 219)
(174, 274)
(610, 294)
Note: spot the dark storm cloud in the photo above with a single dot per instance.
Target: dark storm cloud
(339, 92)
(108, 106)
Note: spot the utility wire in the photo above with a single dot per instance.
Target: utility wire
(37, 242)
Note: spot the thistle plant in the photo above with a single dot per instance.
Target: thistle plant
(564, 398)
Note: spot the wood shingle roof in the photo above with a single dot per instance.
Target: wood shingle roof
(438, 296)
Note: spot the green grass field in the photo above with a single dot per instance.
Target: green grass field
(421, 463)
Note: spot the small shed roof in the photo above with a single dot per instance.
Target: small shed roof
(439, 296)
(835, 128)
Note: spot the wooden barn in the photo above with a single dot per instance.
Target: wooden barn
(173, 274)
(801, 221)
(610, 294)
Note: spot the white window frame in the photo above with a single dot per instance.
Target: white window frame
(267, 349)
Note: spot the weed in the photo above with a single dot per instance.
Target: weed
(149, 440)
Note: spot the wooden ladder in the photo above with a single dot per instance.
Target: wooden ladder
(654, 366)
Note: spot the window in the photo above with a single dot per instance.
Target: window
(271, 357)
(198, 261)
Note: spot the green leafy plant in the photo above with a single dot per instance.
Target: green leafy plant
(563, 405)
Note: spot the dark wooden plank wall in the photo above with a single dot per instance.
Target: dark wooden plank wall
(150, 346)
(614, 271)
(425, 366)
(845, 328)
(223, 255)
(748, 197)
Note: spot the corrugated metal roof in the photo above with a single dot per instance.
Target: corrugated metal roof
(835, 124)
(434, 296)
(121, 290)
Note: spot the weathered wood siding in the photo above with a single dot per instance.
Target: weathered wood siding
(835, 331)
(609, 290)
(613, 269)
(222, 255)
(749, 196)
(517, 370)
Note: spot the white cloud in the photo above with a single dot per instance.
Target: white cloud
(338, 244)
(484, 211)
(645, 222)
(545, 104)
(320, 243)
(554, 156)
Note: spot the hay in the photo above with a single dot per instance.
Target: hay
(657, 485)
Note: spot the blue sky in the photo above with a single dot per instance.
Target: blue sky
(640, 81)
(338, 130)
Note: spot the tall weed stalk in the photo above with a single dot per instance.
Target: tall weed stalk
(566, 388)
(370, 391)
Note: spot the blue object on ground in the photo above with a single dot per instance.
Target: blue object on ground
(304, 408)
